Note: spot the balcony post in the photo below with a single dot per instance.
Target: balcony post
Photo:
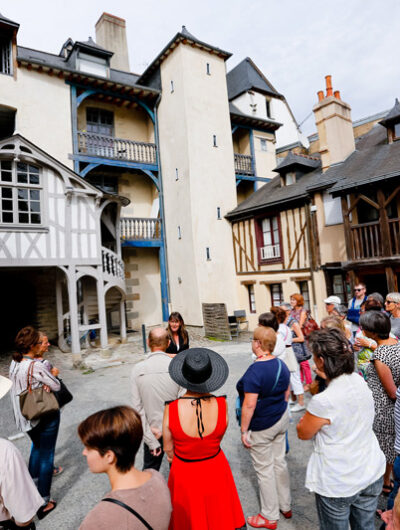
(122, 320)
(101, 304)
(384, 225)
(347, 229)
(74, 125)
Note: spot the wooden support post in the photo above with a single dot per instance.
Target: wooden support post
(347, 229)
(391, 280)
(101, 304)
(353, 279)
(384, 225)
(122, 320)
(59, 306)
(73, 312)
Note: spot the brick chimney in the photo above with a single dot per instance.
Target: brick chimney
(334, 125)
(111, 35)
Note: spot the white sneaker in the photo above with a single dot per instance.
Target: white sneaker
(298, 408)
(292, 401)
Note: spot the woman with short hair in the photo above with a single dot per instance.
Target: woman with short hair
(346, 467)
(112, 438)
(383, 377)
(392, 306)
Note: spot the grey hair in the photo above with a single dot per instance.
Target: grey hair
(286, 305)
(341, 309)
(394, 296)
(378, 297)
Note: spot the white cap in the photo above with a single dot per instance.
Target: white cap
(5, 385)
(333, 300)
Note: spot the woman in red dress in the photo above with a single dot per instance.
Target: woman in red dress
(203, 492)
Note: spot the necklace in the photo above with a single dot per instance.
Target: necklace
(265, 356)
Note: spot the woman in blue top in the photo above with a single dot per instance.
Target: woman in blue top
(264, 392)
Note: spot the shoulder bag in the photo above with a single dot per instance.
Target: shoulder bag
(63, 395)
(35, 403)
(131, 510)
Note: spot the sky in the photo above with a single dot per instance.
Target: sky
(294, 43)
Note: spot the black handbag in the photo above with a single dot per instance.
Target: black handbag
(301, 351)
(63, 395)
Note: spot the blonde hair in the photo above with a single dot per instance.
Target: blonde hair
(267, 338)
(333, 322)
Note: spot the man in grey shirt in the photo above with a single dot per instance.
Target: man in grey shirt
(392, 306)
(151, 387)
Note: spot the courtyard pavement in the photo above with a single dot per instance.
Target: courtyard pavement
(77, 490)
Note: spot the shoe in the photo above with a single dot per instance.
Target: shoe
(298, 408)
(42, 513)
(258, 521)
(287, 515)
(292, 401)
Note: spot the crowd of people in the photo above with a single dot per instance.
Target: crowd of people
(349, 364)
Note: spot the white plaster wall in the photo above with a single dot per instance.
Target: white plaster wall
(189, 117)
(265, 160)
(149, 288)
(43, 110)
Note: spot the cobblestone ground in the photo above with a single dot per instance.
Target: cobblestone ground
(104, 382)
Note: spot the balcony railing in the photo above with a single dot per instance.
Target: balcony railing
(113, 266)
(367, 240)
(103, 146)
(244, 165)
(271, 251)
(140, 228)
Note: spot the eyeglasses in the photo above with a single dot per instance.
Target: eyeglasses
(389, 302)
(359, 289)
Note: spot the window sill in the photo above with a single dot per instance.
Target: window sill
(270, 261)
(14, 228)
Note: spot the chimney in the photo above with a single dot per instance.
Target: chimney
(111, 35)
(334, 125)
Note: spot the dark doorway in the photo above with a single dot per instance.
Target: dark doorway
(18, 303)
(375, 282)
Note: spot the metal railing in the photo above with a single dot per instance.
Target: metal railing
(140, 228)
(271, 251)
(112, 264)
(243, 164)
(93, 144)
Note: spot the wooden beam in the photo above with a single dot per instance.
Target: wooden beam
(347, 229)
(369, 201)
(392, 196)
(60, 74)
(234, 247)
(391, 280)
(384, 225)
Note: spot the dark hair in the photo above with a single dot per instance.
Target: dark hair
(333, 346)
(280, 314)
(372, 304)
(182, 330)
(118, 429)
(268, 320)
(376, 322)
(26, 339)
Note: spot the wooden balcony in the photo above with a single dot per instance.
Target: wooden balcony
(244, 165)
(99, 145)
(140, 228)
(375, 240)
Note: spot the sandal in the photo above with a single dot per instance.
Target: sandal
(57, 471)
(259, 521)
(42, 512)
(287, 515)
(387, 488)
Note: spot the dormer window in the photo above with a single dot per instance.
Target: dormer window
(290, 178)
(6, 55)
(92, 64)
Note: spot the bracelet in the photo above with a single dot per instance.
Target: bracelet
(243, 432)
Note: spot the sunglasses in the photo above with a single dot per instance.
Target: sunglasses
(389, 302)
(359, 289)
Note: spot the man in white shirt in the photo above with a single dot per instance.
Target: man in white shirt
(19, 498)
(151, 387)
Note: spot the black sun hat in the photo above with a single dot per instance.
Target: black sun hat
(199, 370)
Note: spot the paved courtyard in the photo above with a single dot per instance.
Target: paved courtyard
(77, 490)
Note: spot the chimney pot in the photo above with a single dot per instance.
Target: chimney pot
(337, 94)
(320, 94)
(329, 91)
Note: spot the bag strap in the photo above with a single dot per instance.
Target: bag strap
(278, 373)
(131, 510)
(29, 374)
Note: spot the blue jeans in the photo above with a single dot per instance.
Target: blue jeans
(396, 476)
(335, 513)
(41, 461)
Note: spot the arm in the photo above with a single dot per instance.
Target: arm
(248, 407)
(168, 442)
(46, 378)
(299, 334)
(309, 425)
(366, 343)
(148, 436)
(303, 316)
(386, 377)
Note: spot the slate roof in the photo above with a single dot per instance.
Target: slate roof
(7, 22)
(246, 76)
(263, 124)
(392, 116)
(93, 47)
(293, 159)
(183, 35)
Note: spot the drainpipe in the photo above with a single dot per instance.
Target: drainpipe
(164, 261)
(310, 258)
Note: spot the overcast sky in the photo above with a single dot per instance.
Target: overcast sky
(295, 43)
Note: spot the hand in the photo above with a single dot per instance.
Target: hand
(387, 517)
(157, 433)
(245, 440)
(363, 342)
(55, 371)
(156, 452)
(47, 388)
(169, 458)
(321, 374)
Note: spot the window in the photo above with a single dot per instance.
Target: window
(172, 87)
(179, 233)
(215, 140)
(270, 248)
(218, 212)
(106, 183)
(176, 174)
(338, 287)
(303, 288)
(276, 294)
(20, 193)
(100, 121)
(290, 178)
(268, 108)
(92, 64)
(5, 55)
(208, 254)
(208, 69)
(252, 298)
(263, 144)
(332, 209)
